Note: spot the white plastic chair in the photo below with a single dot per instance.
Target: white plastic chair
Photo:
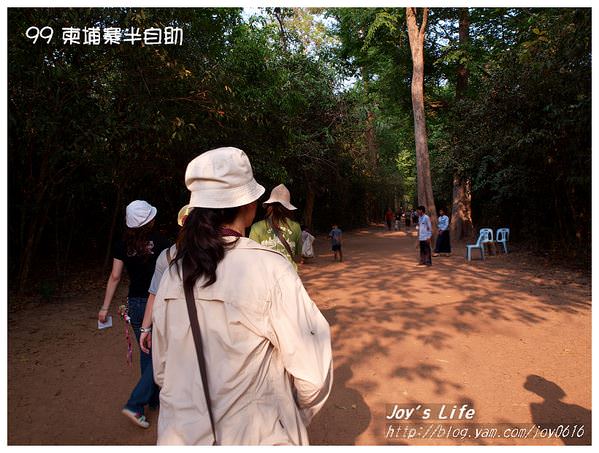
(503, 235)
(485, 235)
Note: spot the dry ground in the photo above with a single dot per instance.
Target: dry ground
(510, 336)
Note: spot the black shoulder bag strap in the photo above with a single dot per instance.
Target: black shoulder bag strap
(197, 339)
(283, 241)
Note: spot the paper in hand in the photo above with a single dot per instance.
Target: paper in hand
(105, 325)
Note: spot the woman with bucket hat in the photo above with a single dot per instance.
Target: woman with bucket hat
(240, 351)
(277, 231)
(137, 252)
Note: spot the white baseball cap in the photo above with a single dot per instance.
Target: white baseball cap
(221, 178)
(139, 213)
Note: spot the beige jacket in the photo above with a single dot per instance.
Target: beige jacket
(267, 350)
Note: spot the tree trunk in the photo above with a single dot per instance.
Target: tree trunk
(371, 141)
(464, 37)
(309, 207)
(461, 212)
(425, 187)
(282, 33)
(35, 230)
(370, 135)
(39, 200)
(36, 227)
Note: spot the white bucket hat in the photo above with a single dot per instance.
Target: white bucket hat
(281, 194)
(139, 213)
(221, 178)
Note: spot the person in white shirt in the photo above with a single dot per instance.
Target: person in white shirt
(443, 246)
(425, 231)
(162, 263)
(307, 243)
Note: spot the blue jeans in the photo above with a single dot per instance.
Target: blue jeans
(146, 391)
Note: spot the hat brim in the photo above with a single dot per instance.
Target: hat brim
(284, 203)
(230, 198)
(150, 217)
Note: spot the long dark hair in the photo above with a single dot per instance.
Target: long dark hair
(200, 245)
(136, 240)
(277, 214)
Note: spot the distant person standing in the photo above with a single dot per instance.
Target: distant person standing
(389, 217)
(336, 236)
(408, 216)
(443, 245)
(307, 243)
(425, 231)
(414, 216)
(398, 215)
(278, 231)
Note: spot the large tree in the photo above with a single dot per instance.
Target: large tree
(416, 35)
(461, 209)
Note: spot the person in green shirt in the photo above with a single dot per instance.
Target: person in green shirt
(278, 231)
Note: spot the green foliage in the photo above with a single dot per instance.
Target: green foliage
(93, 127)
(524, 135)
(521, 132)
(326, 110)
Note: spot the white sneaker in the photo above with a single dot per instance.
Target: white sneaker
(138, 419)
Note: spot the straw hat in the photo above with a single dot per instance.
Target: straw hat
(280, 194)
(139, 213)
(183, 213)
(221, 178)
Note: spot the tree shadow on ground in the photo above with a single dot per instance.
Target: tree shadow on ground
(553, 412)
(384, 297)
(380, 304)
(345, 415)
(426, 372)
(391, 324)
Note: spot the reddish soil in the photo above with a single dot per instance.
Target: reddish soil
(510, 336)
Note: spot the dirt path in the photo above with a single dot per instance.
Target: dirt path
(507, 336)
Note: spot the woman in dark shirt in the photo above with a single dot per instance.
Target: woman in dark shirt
(137, 252)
